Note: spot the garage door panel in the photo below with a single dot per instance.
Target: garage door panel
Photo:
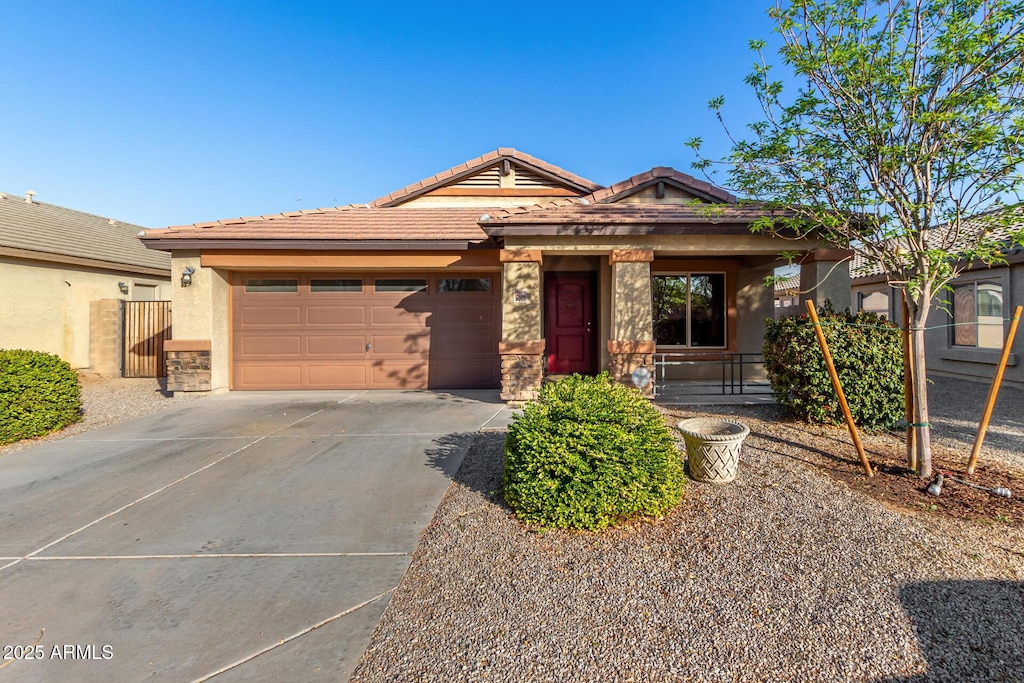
(329, 376)
(467, 344)
(411, 343)
(392, 315)
(277, 316)
(268, 376)
(466, 314)
(465, 374)
(339, 315)
(336, 345)
(269, 345)
(398, 374)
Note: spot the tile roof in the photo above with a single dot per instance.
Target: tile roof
(698, 187)
(1000, 223)
(51, 229)
(382, 221)
(344, 223)
(790, 283)
(479, 163)
(582, 211)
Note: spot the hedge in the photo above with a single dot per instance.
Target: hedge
(39, 394)
(868, 354)
(588, 454)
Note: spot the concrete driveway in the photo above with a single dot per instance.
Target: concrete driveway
(244, 537)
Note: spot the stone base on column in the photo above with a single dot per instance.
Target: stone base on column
(188, 364)
(626, 356)
(522, 370)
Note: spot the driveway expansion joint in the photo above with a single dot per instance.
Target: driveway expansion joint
(153, 493)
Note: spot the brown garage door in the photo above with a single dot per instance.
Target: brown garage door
(365, 331)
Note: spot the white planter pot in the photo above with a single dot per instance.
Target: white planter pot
(713, 448)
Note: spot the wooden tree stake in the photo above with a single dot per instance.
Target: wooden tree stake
(908, 388)
(993, 392)
(839, 389)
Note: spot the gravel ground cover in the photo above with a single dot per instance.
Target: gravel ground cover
(787, 574)
(109, 400)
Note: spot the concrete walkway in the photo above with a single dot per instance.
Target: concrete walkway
(246, 537)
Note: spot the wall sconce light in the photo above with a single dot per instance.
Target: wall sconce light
(186, 276)
(123, 286)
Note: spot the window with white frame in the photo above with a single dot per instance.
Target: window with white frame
(978, 314)
(689, 310)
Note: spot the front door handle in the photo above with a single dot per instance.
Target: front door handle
(588, 327)
(367, 347)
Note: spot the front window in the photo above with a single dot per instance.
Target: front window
(689, 310)
(978, 315)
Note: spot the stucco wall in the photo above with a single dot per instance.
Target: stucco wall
(755, 302)
(46, 305)
(826, 280)
(203, 311)
(631, 302)
(521, 320)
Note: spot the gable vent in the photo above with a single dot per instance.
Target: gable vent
(527, 178)
(489, 178)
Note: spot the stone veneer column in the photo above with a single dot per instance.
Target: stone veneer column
(825, 274)
(632, 330)
(188, 364)
(522, 346)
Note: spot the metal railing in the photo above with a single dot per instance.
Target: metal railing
(734, 380)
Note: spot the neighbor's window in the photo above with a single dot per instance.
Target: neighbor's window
(689, 310)
(978, 315)
(417, 285)
(464, 284)
(874, 302)
(271, 285)
(336, 286)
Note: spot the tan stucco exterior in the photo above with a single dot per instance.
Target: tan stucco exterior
(521, 302)
(203, 312)
(631, 301)
(46, 304)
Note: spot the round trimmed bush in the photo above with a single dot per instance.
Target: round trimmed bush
(39, 394)
(588, 454)
(868, 354)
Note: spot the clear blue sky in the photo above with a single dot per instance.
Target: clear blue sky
(164, 113)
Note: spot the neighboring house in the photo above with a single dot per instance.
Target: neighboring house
(492, 274)
(967, 326)
(787, 297)
(55, 263)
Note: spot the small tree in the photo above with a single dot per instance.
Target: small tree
(903, 140)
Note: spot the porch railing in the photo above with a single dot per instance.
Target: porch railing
(736, 373)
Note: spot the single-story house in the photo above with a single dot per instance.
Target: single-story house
(492, 274)
(56, 264)
(967, 326)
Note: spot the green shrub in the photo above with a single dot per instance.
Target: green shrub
(589, 453)
(39, 393)
(868, 354)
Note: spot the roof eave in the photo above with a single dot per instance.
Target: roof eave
(604, 229)
(210, 244)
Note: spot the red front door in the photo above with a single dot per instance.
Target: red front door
(570, 323)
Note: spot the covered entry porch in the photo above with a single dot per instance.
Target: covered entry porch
(688, 307)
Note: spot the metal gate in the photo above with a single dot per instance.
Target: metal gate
(147, 324)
